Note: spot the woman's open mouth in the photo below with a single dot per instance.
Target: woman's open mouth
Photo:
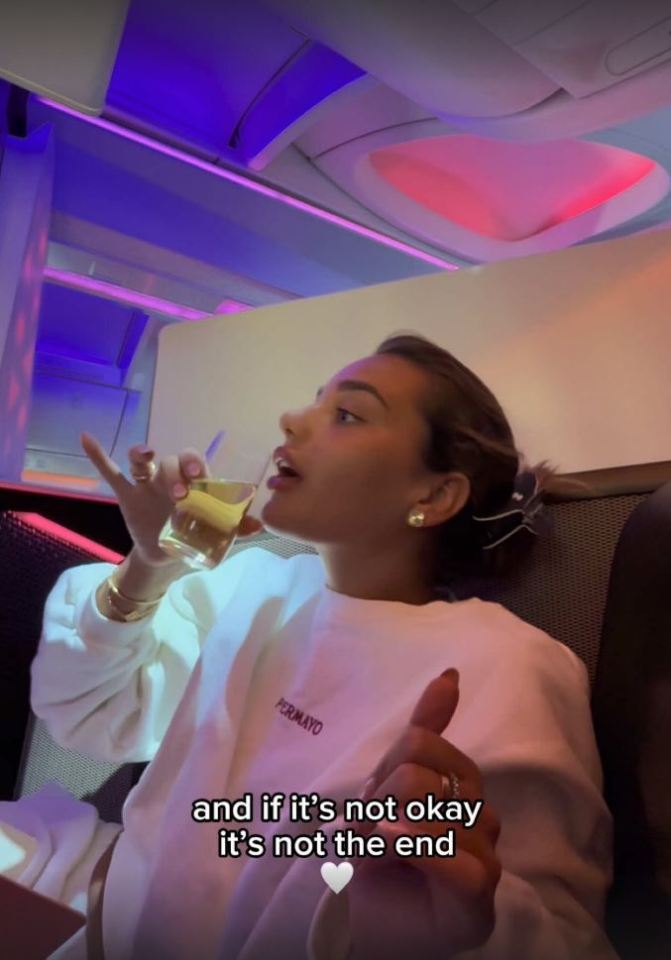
(282, 482)
(284, 479)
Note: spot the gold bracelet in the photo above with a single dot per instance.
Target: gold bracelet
(126, 609)
(104, 606)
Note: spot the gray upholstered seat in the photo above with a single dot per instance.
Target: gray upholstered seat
(631, 704)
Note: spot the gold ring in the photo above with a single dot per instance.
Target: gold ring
(143, 475)
(450, 785)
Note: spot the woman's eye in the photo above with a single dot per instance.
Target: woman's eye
(342, 410)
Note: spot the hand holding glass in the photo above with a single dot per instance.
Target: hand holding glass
(203, 524)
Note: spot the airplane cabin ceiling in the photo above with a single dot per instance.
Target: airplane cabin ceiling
(317, 98)
(417, 136)
(268, 84)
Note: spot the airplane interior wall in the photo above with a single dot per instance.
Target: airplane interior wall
(25, 207)
(575, 344)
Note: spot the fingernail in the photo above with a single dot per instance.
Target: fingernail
(451, 674)
(146, 451)
(179, 490)
(368, 789)
(193, 469)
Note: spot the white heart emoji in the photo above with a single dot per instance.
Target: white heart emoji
(338, 877)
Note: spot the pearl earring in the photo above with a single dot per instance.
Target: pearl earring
(416, 518)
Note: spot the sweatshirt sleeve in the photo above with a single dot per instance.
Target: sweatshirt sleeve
(109, 690)
(527, 725)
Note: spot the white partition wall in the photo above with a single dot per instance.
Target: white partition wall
(576, 345)
(26, 182)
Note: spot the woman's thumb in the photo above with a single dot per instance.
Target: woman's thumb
(437, 704)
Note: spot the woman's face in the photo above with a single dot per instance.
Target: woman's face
(357, 450)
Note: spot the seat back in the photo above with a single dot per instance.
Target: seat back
(561, 587)
(632, 715)
(31, 560)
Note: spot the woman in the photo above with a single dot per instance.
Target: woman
(337, 675)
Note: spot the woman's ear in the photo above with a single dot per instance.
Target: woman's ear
(447, 499)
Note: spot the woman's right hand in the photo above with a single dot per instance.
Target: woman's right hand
(146, 505)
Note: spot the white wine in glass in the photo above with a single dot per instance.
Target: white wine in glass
(203, 525)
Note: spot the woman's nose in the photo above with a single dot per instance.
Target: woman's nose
(289, 421)
(295, 421)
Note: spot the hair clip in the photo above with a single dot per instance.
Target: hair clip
(522, 512)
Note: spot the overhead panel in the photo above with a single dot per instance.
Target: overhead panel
(583, 47)
(513, 20)
(193, 69)
(230, 78)
(434, 53)
(64, 50)
(509, 69)
(376, 107)
(288, 100)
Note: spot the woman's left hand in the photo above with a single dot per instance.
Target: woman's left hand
(451, 901)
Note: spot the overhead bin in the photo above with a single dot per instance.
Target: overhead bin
(64, 50)
(434, 53)
(508, 68)
(232, 80)
(583, 47)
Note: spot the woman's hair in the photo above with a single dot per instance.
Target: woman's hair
(468, 433)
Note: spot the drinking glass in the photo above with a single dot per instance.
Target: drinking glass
(204, 523)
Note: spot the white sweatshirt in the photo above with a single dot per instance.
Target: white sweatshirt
(282, 684)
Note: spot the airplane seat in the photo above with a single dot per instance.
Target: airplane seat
(564, 589)
(631, 704)
(30, 563)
